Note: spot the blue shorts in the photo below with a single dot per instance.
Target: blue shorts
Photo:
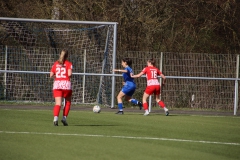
(129, 88)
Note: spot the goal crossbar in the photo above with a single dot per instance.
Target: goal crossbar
(56, 21)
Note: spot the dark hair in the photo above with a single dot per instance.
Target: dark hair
(128, 61)
(63, 56)
(152, 61)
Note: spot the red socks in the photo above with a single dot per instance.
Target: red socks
(145, 106)
(161, 104)
(66, 108)
(56, 110)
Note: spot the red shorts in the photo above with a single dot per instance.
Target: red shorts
(153, 89)
(62, 93)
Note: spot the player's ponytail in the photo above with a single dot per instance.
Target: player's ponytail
(63, 56)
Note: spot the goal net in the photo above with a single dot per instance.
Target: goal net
(30, 47)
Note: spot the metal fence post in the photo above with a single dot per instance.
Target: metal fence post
(236, 86)
(5, 74)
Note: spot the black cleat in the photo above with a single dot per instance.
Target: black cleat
(64, 122)
(166, 113)
(119, 112)
(55, 123)
(140, 105)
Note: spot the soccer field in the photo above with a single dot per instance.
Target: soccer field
(30, 134)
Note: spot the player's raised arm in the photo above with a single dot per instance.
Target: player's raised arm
(120, 70)
(138, 75)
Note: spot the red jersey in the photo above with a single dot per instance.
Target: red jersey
(62, 80)
(151, 75)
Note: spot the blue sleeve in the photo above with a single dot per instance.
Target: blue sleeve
(129, 70)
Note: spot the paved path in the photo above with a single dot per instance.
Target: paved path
(126, 110)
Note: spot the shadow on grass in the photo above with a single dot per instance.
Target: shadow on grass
(155, 114)
(94, 125)
(162, 115)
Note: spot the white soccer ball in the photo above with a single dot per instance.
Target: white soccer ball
(96, 109)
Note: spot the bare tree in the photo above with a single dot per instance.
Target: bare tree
(55, 10)
(155, 25)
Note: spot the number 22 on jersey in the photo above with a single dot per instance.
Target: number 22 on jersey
(60, 72)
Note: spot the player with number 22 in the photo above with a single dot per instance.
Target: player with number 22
(61, 72)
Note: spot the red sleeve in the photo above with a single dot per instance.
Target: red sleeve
(69, 65)
(144, 70)
(159, 72)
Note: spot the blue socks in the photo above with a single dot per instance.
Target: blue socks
(134, 101)
(120, 106)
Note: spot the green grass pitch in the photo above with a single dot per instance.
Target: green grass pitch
(30, 134)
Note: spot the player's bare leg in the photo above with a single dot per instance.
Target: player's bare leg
(120, 104)
(134, 101)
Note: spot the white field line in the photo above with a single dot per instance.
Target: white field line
(123, 137)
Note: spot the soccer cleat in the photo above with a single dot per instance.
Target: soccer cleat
(140, 105)
(166, 113)
(64, 122)
(146, 114)
(119, 112)
(55, 123)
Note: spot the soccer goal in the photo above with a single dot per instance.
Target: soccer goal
(30, 46)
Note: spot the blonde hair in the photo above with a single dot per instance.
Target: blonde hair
(63, 56)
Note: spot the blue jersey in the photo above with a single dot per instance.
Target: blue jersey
(129, 86)
(126, 76)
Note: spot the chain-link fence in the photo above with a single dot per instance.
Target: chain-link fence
(216, 94)
(179, 92)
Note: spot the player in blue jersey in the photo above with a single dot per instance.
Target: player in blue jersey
(129, 85)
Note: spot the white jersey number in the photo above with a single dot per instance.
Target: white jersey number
(154, 74)
(61, 72)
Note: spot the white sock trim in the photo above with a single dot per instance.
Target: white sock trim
(55, 118)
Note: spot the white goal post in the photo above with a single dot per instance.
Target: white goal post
(30, 46)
